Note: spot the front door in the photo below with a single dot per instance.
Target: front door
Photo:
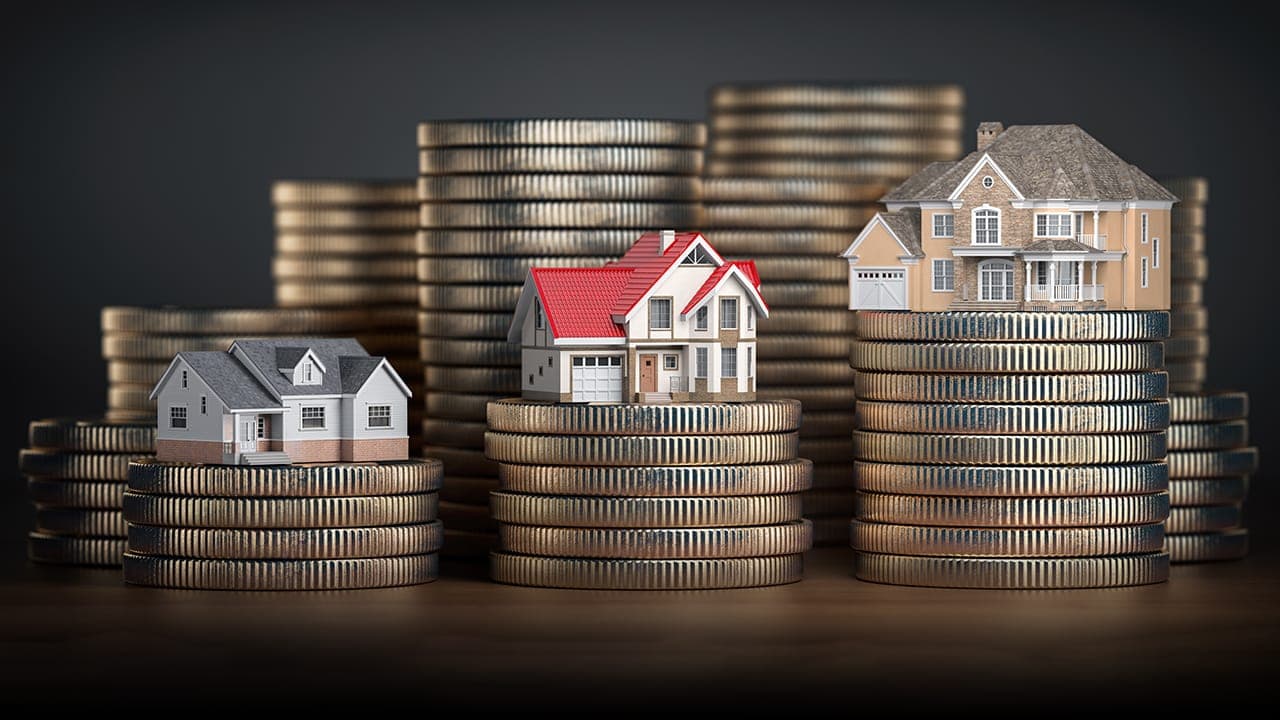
(249, 434)
(648, 373)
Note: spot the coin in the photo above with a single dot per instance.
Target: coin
(344, 268)
(1188, 189)
(1203, 518)
(840, 97)
(343, 192)
(1209, 436)
(433, 323)
(271, 512)
(1208, 547)
(501, 298)
(298, 544)
(804, 294)
(803, 372)
(807, 216)
(987, 419)
(1190, 216)
(1012, 481)
(1193, 345)
(561, 131)
(238, 321)
(1208, 407)
(94, 467)
(1186, 492)
(1187, 242)
(1010, 449)
(1189, 319)
(1183, 373)
(135, 372)
(458, 406)
(633, 450)
(445, 270)
(802, 347)
(1013, 573)
(907, 122)
(975, 326)
(470, 462)
(365, 244)
(558, 186)
(1023, 357)
(811, 321)
(564, 159)
(1188, 267)
(75, 494)
(791, 476)
(488, 353)
(531, 242)
(66, 550)
(661, 543)
(92, 436)
(309, 294)
(223, 574)
(128, 416)
(66, 521)
(130, 397)
(345, 218)
(648, 574)
(397, 477)
(1006, 542)
(811, 398)
(859, 145)
(643, 512)
(877, 170)
(1213, 463)
(572, 214)
(824, 244)
(788, 190)
(695, 418)
(973, 512)
(1038, 388)
(469, 379)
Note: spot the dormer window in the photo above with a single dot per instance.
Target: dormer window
(697, 256)
(306, 373)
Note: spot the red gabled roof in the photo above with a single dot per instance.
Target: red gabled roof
(649, 265)
(577, 300)
(747, 267)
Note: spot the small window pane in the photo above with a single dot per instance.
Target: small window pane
(178, 418)
(728, 362)
(380, 416)
(728, 313)
(313, 418)
(660, 314)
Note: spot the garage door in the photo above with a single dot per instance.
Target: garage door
(881, 289)
(597, 378)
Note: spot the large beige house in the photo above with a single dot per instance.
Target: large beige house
(1038, 217)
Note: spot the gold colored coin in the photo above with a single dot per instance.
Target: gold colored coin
(1013, 573)
(811, 397)
(91, 523)
(559, 186)
(366, 244)
(471, 353)
(1203, 518)
(992, 419)
(634, 450)
(243, 321)
(1011, 480)
(276, 513)
(344, 269)
(789, 190)
(789, 216)
(631, 574)
(1209, 436)
(91, 467)
(1005, 388)
(454, 433)
(944, 449)
(467, 270)
(289, 544)
(1188, 492)
(1190, 190)
(526, 242)
(561, 159)
(800, 145)
(469, 379)
(877, 170)
(804, 294)
(1189, 268)
(1006, 357)
(67, 550)
(1208, 547)
(75, 494)
(643, 512)
(130, 397)
(805, 269)
(792, 476)
(657, 543)
(1190, 216)
(398, 477)
(457, 406)
(489, 298)
(342, 192)
(1209, 407)
(571, 214)
(912, 123)
(91, 436)
(1186, 372)
(1006, 542)
(470, 462)
(1188, 242)
(838, 97)
(561, 131)
(1027, 512)
(223, 574)
(291, 293)
(803, 372)
(824, 244)
(1189, 319)
(1187, 346)
(432, 323)
(341, 218)
(981, 326)
(527, 416)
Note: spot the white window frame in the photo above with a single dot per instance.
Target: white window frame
(178, 412)
(670, 361)
(1155, 253)
(369, 417)
(697, 256)
(539, 319)
(302, 417)
(944, 262)
(988, 182)
(948, 229)
(751, 316)
(655, 302)
(1070, 218)
(260, 428)
(729, 320)
(973, 220)
(702, 319)
(700, 362)
(306, 372)
(1144, 273)
(1145, 227)
(751, 362)
(989, 267)
(729, 359)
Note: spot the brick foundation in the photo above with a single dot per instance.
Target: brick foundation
(371, 450)
(189, 451)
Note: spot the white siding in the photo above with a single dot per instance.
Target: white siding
(208, 426)
(336, 426)
(381, 389)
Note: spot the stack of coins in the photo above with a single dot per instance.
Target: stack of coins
(792, 175)
(138, 343)
(302, 527)
(648, 497)
(1019, 450)
(1209, 467)
(76, 472)
(1187, 349)
(498, 197)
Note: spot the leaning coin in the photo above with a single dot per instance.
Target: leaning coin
(75, 494)
(1012, 481)
(990, 419)
(528, 241)
(502, 270)
(1208, 547)
(647, 512)
(561, 131)
(93, 467)
(1006, 542)
(1009, 326)
(556, 214)
(1203, 518)
(365, 244)
(818, 217)
(837, 97)
(1009, 449)
(92, 436)
(437, 296)
(343, 268)
(791, 476)
(1013, 573)
(67, 550)
(1209, 436)
(1213, 463)
(1008, 357)
(295, 544)
(468, 379)
(884, 170)
(94, 523)
(1209, 407)
(434, 323)
(559, 186)
(562, 159)
(617, 574)
(658, 543)
(909, 122)
(314, 294)
(1034, 388)
(1186, 492)
(342, 192)
(258, 512)
(852, 146)
(383, 218)
(632, 450)
(400, 477)
(528, 416)
(788, 190)
(973, 512)
(472, 353)
(222, 574)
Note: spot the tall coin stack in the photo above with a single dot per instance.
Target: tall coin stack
(349, 245)
(499, 196)
(138, 343)
(339, 526)
(691, 496)
(1187, 349)
(76, 472)
(1209, 468)
(1020, 450)
(792, 175)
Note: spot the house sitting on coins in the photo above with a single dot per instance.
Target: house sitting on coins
(281, 400)
(1039, 217)
(671, 321)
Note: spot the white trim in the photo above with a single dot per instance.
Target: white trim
(933, 223)
(1035, 224)
(908, 259)
(973, 173)
(984, 251)
(1155, 253)
(661, 279)
(527, 294)
(877, 220)
(932, 204)
(1144, 227)
(390, 417)
(746, 284)
(933, 275)
(1073, 255)
(973, 226)
(1088, 205)
(1150, 204)
(324, 417)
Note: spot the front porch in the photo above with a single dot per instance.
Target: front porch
(1053, 274)
(257, 437)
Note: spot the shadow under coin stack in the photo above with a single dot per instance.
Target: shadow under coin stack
(1209, 468)
(76, 472)
(648, 497)
(792, 175)
(1017, 450)
(500, 196)
(1187, 349)
(138, 343)
(295, 527)
(349, 245)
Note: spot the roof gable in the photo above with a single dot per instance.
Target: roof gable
(263, 353)
(228, 380)
(650, 266)
(743, 271)
(355, 373)
(577, 301)
(986, 161)
(903, 226)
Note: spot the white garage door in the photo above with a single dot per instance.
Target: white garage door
(597, 378)
(881, 289)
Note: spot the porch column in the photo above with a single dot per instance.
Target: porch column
(1053, 281)
(1079, 279)
(1096, 239)
(1094, 282)
(1026, 282)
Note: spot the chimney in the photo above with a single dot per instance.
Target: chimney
(668, 238)
(987, 133)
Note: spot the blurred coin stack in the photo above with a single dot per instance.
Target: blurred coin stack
(337, 526)
(1187, 349)
(1018, 450)
(349, 245)
(138, 343)
(499, 196)
(1209, 467)
(793, 172)
(76, 472)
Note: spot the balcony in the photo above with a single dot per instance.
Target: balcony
(1065, 293)
(1095, 241)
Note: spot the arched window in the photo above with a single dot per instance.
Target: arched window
(986, 226)
(995, 280)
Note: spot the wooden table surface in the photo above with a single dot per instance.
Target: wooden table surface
(1209, 635)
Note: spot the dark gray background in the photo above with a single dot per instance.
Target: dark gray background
(140, 139)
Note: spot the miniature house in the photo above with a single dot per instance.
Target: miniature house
(281, 400)
(671, 321)
(1039, 217)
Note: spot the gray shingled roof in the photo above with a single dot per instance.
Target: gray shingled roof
(263, 353)
(1059, 245)
(229, 380)
(906, 225)
(354, 371)
(1042, 161)
(288, 357)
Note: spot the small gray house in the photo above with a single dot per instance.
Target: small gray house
(281, 400)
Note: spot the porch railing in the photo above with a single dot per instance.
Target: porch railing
(679, 384)
(1092, 240)
(1064, 293)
